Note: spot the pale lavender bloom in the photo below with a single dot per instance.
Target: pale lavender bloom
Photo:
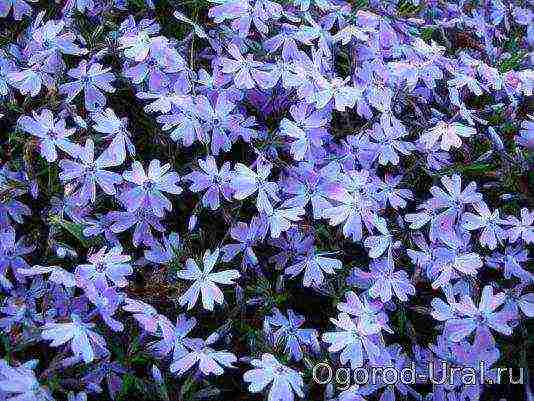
(105, 267)
(245, 71)
(388, 135)
(285, 382)
(20, 8)
(526, 135)
(396, 197)
(279, 220)
(90, 172)
(12, 256)
(357, 198)
(352, 341)
(369, 316)
(246, 182)
(107, 122)
(19, 383)
(510, 260)
(143, 220)
(145, 314)
(338, 91)
(84, 342)
(307, 129)
(449, 133)
(378, 244)
(107, 303)
(462, 318)
(314, 265)
(526, 304)
(209, 361)
(174, 337)
(214, 181)
(6, 67)
(165, 253)
(384, 282)
(287, 330)
(523, 228)
(453, 260)
(92, 79)
(247, 236)
(490, 223)
(58, 275)
(149, 187)
(205, 281)
(51, 134)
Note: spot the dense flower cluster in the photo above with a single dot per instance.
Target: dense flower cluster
(206, 200)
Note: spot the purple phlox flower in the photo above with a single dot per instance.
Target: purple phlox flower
(352, 339)
(107, 303)
(291, 245)
(279, 220)
(450, 203)
(246, 182)
(217, 119)
(389, 191)
(100, 225)
(336, 90)
(314, 265)
(162, 61)
(143, 220)
(174, 337)
(387, 134)
(378, 244)
(29, 81)
(526, 135)
(111, 372)
(51, 134)
(523, 228)
(49, 40)
(453, 260)
(166, 252)
(357, 203)
(20, 8)
(212, 180)
(92, 79)
(526, 304)
(369, 315)
(205, 281)
(307, 129)
(247, 235)
(105, 267)
(310, 186)
(7, 66)
(136, 39)
(184, 123)
(19, 383)
(89, 172)
(107, 122)
(58, 275)
(397, 360)
(12, 255)
(287, 330)
(285, 382)
(510, 260)
(285, 39)
(68, 207)
(145, 314)
(84, 342)
(463, 317)
(209, 360)
(148, 187)
(448, 133)
(245, 71)
(384, 282)
(282, 71)
(488, 222)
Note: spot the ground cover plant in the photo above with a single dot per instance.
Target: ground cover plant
(207, 200)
